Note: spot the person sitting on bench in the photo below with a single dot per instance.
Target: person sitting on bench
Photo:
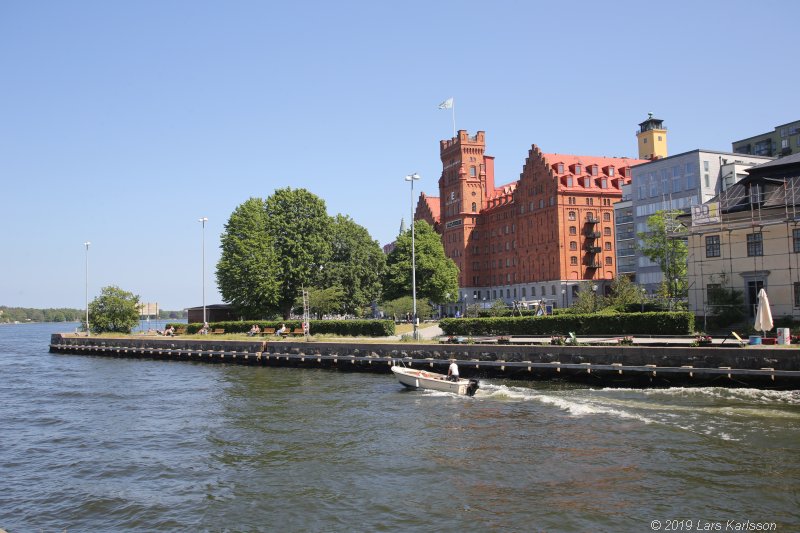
(282, 332)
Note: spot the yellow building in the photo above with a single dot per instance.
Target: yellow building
(652, 137)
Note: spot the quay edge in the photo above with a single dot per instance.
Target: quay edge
(628, 366)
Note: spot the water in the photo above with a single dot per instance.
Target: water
(101, 444)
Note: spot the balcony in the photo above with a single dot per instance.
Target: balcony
(623, 219)
(593, 235)
(594, 249)
(590, 219)
(592, 264)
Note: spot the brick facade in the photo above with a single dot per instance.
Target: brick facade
(553, 227)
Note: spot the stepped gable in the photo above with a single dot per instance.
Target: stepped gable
(429, 210)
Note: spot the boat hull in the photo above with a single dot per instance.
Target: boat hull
(422, 379)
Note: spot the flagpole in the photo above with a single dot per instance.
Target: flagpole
(453, 108)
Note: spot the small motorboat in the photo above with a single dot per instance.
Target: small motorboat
(422, 379)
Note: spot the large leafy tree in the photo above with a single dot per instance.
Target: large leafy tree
(355, 266)
(437, 274)
(114, 311)
(662, 245)
(299, 227)
(247, 273)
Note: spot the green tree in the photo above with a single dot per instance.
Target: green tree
(355, 266)
(437, 274)
(247, 272)
(587, 300)
(400, 307)
(299, 226)
(323, 301)
(114, 311)
(662, 245)
(624, 294)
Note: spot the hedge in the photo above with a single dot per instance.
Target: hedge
(588, 324)
(349, 328)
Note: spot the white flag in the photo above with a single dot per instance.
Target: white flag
(447, 104)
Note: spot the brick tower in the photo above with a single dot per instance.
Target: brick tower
(466, 183)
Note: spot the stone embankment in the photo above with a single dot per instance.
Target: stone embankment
(632, 366)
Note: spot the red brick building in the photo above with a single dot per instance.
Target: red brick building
(533, 239)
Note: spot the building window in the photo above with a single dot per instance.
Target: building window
(712, 246)
(604, 183)
(472, 171)
(577, 169)
(608, 246)
(569, 181)
(755, 244)
(796, 240)
(573, 230)
(606, 217)
(644, 141)
(610, 171)
(593, 170)
(573, 245)
(608, 261)
(607, 232)
(797, 294)
(474, 207)
(571, 215)
(705, 166)
(560, 168)
(573, 260)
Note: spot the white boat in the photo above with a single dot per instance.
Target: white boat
(422, 379)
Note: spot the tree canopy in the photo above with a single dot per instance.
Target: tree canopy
(115, 310)
(356, 265)
(661, 246)
(273, 248)
(247, 273)
(437, 274)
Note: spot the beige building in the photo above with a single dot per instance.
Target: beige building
(748, 238)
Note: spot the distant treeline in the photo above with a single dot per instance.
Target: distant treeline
(26, 314)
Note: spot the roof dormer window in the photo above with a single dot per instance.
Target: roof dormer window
(593, 170)
(560, 168)
(577, 168)
(611, 171)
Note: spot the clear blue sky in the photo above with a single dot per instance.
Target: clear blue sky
(122, 123)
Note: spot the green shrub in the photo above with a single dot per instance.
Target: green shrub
(586, 324)
(349, 328)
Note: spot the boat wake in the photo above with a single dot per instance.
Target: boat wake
(725, 414)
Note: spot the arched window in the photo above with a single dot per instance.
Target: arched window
(474, 207)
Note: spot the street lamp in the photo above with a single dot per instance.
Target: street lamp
(644, 294)
(203, 221)
(86, 244)
(412, 178)
(564, 298)
(594, 299)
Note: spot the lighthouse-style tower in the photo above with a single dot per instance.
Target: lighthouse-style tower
(467, 181)
(652, 136)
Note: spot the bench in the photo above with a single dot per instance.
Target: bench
(268, 331)
(298, 331)
(218, 331)
(180, 331)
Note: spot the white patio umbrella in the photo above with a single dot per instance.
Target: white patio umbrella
(763, 313)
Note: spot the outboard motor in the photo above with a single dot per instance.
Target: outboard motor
(472, 387)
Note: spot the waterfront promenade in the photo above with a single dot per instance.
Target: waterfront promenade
(668, 364)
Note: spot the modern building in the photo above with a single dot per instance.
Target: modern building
(214, 313)
(625, 235)
(678, 182)
(783, 141)
(748, 238)
(532, 239)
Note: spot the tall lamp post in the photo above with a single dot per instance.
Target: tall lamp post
(86, 245)
(412, 178)
(203, 221)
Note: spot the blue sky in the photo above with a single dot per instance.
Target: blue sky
(122, 123)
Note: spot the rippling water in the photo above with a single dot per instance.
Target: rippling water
(101, 444)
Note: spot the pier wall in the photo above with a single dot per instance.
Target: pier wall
(607, 365)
